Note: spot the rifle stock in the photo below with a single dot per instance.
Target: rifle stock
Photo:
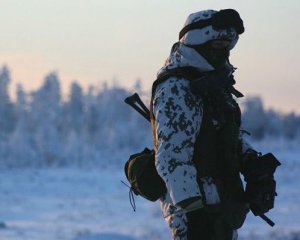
(135, 102)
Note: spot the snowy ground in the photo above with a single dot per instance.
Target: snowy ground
(73, 204)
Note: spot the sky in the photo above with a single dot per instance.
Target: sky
(120, 41)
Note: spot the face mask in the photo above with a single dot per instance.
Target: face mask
(217, 57)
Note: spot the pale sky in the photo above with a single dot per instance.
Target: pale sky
(92, 41)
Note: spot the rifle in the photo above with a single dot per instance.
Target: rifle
(136, 102)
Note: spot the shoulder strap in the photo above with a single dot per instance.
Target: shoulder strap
(189, 73)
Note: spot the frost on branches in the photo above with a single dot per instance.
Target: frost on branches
(40, 129)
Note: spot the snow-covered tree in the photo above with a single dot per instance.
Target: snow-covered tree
(254, 118)
(75, 108)
(46, 115)
(275, 125)
(7, 113)
(39, 129)
(291, 125)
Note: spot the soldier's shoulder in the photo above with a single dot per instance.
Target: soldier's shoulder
(172, 85)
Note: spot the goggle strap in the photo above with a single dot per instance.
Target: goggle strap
(220, 20)
(195, 25)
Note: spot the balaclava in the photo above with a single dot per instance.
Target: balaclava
(203, 27)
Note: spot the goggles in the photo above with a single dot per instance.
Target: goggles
(219, 21)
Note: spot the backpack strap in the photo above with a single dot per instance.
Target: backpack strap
(189, 73)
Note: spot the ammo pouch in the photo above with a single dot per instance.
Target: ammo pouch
(143, 177)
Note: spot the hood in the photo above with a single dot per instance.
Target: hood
(184, 56)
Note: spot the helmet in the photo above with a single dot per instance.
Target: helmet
(208, 25)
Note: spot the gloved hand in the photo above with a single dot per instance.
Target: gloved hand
(261, 195)
(261, 187)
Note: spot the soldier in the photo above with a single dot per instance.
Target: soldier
(196, 126)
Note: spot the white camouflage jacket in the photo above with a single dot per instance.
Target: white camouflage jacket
(178, 115)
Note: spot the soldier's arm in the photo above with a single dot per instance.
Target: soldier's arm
(178, 115)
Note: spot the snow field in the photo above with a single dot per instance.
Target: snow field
(93, 204)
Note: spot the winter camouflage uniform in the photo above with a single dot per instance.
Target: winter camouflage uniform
(178, 116)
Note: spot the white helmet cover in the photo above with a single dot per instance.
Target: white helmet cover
(207, 33)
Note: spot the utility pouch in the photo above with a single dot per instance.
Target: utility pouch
(233, 207)
(143, 177)
(234, 213)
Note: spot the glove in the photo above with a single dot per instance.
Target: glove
(259, 175)
(261, 195)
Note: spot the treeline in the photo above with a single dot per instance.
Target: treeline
(94, 127)
(261, 122)
(40, 129)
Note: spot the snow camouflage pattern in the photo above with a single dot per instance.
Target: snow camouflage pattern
(178, 116)
(178, 121)
(200, 36)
